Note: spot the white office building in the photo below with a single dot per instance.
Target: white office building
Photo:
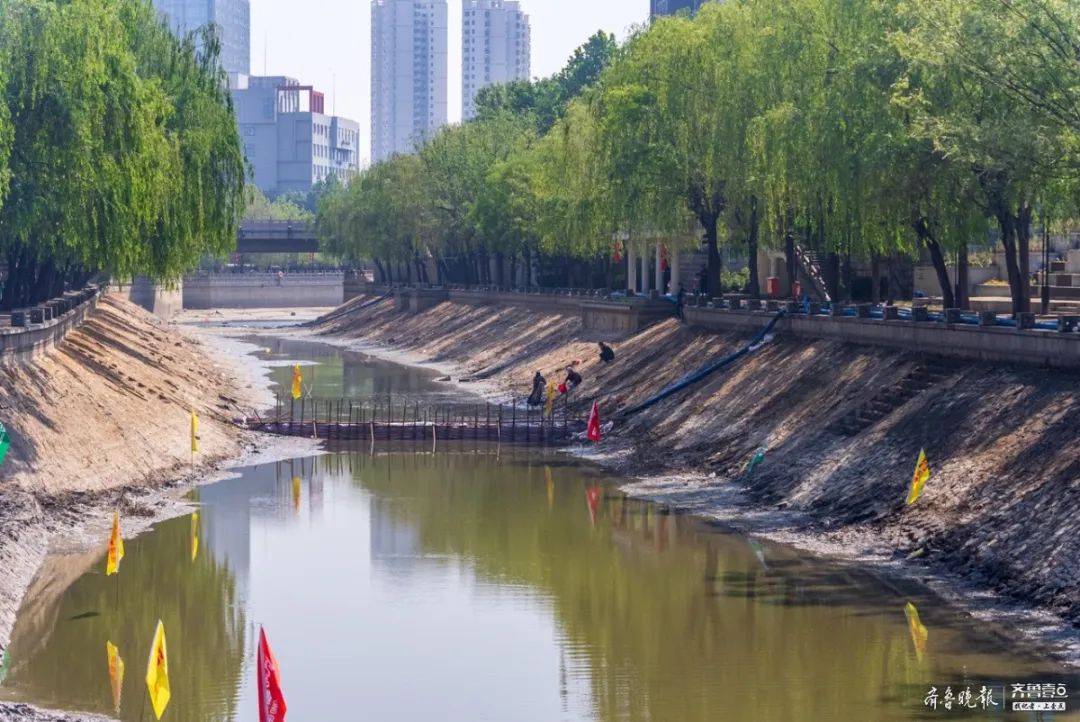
(408, 73)
(287, 136)
(495, 47)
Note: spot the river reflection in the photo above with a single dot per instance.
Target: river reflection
(466, 586)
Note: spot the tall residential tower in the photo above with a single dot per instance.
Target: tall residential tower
(495, 47)
(233, 21)
(670, 7)
(408, 73)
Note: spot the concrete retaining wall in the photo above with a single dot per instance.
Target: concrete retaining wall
(263, 290)
(992, 344)
(18, 344)
(158, 299)
(999, 345)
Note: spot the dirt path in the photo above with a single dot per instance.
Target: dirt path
(841, 427)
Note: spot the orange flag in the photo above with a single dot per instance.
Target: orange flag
(157, 673)
(116, 547)
(272, 705)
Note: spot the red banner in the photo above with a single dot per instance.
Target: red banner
(593, 430)
(592, 498)
(271, 702)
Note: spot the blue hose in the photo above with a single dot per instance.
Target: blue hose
(705, 371)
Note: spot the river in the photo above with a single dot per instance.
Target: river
(480, 583)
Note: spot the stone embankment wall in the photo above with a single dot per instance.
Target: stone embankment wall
(42, 328)
(996, 344)
(264, 290)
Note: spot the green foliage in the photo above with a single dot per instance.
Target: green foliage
(258, 207)
(124, 157)
(860, 129)
(545, 100)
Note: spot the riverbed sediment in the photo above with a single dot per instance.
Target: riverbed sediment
(998, 525)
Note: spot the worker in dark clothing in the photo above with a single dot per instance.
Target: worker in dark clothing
(680, 302)
(606, 354)
(573, 378)
(537, 396)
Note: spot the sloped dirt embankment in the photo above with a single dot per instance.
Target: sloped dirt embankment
(95, 424)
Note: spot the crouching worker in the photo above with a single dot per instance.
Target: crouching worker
(573, 378)
(606, 354)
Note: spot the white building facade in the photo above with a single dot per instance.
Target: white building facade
(287, 137)
(408, 74)
(495, 47)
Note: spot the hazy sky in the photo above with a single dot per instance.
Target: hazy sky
(327, 43)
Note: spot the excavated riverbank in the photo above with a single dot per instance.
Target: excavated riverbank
(102, 422)
(840, 425)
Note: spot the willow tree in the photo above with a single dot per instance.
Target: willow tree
(204, 199)
(125, 157)
(456, 163)
(89, 163)
(1016, 148)
(384, 215)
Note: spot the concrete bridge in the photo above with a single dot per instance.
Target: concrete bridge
(276, 237)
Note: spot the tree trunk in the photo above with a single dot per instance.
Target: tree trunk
(937, 259)
(963, 294)
(791, 262)
(1023, 236)
(752, 251)
(875, 278)
(832, 274)
(715, 263)
(383, 278)
(1007, 226)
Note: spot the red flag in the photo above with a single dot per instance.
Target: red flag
(272, 706)
(593, 431)
(592, 498)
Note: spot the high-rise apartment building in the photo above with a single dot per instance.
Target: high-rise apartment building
(233, 21)
(289, 140)
(670, 7)
(495, 47)
(408, 73)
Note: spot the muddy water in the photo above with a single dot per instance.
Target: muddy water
(483, 584)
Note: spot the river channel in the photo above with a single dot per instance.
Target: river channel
(480, 583)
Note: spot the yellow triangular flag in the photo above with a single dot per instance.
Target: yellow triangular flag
(919, 634)
(157, 673)
(550, 393)
(194, 535)
(116, 674)
(550, 487)
(194, 432)
(116, 547)
(297, 380)
(918, 481)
